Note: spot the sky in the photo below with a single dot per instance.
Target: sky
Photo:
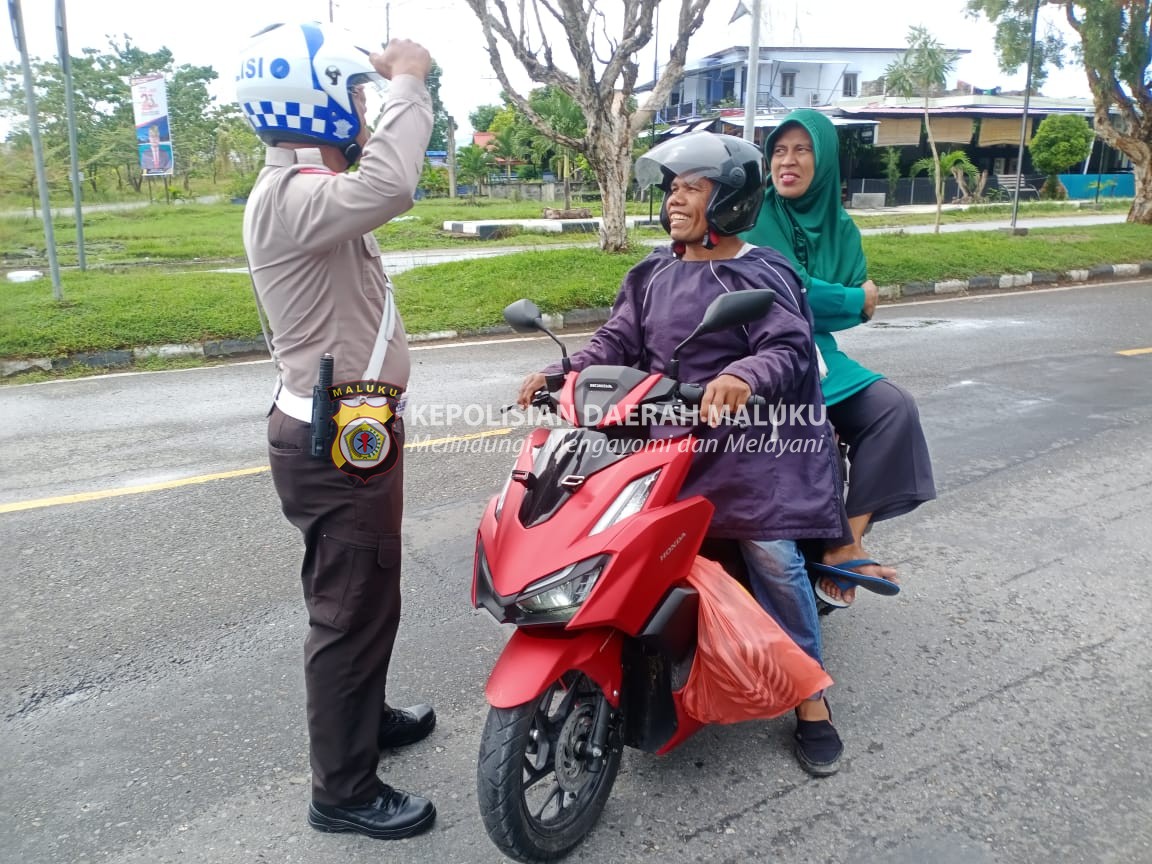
(211, 33)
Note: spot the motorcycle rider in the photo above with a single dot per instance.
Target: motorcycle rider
(784, 487)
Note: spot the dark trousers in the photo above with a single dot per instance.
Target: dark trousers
(351, 581)
(890, 470)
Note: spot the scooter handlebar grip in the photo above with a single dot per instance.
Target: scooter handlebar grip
(691, 394)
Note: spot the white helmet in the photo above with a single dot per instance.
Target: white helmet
(295, 81)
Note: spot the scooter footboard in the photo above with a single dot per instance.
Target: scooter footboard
(531, 662)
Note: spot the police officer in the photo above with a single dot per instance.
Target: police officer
(316, 268)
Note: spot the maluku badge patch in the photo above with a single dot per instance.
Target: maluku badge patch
(364, 445)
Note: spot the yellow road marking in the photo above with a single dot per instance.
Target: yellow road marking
(127, 490)
(433, 442)
(81, 497)
(1134, 352)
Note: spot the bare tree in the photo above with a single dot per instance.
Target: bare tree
(602, 84)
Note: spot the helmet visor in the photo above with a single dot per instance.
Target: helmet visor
(691, 156)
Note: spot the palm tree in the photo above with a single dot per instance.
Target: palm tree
(954, 162)
(923, 68)
(473, 165)
(506, 147)
(565, 117)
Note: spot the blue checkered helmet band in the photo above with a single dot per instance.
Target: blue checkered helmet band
(295, 81)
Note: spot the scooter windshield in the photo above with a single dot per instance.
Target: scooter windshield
(566, 460)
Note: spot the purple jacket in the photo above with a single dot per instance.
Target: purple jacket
(774, 481)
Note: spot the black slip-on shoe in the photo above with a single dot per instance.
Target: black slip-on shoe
(818, 746)
(392, 816)
(402, 726)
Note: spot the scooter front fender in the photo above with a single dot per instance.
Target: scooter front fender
(532, 662)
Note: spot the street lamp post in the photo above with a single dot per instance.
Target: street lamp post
(1024, 119)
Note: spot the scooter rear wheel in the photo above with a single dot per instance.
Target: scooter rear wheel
(538, 793)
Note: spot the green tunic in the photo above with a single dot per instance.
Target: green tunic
(823, 243)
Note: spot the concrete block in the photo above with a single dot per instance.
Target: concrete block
(1100, 271)
(582, 227)
(147, 351)
(15, 367)
(233, 348)
(1077, 275)
(1044, 277)
(99, 358)
(889, 292)
(582, 317)
(1145, 267)
(868, 200)
(433, 335)
(553, 322)
(1126, 269)
(1015, 280)
(911, 289)
(952, 286)
(983, 283)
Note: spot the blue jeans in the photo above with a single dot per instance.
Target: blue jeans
(781, 586)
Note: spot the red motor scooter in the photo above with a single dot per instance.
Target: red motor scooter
(587, 551)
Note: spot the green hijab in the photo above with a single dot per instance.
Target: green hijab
(813, 231)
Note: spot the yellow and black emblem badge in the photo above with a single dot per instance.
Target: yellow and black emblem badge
(363, 412)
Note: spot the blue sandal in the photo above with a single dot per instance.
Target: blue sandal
(845, 577)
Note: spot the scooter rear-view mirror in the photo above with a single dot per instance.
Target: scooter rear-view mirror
(524, 316)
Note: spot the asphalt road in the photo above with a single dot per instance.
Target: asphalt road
(996, 711)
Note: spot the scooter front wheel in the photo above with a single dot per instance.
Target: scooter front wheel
(541, 786)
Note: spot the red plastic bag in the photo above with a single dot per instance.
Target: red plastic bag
(746, 666)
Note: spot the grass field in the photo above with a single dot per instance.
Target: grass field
(169, 302)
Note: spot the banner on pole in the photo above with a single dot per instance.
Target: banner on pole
(153, 140)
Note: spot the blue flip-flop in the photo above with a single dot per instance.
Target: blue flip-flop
(845, 577)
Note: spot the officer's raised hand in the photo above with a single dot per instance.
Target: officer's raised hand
(402, 57)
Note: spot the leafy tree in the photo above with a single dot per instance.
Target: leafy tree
(954, 162)
(565, 118)
(439, 139)
(506, 147)
(106, 132)
(602, 85)
(1115, 49)
(892, 171)
(473, 165)
(1063, 140)
(434, 181)
(481, 118)
(923, 69)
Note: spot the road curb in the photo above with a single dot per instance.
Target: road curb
(572, 319)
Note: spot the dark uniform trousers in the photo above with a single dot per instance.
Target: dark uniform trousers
(351, 581)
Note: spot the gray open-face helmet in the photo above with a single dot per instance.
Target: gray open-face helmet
(735, 166)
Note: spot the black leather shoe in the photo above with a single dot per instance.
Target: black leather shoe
(393, 815)
(402, 726)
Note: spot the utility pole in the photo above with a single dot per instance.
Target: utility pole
(752, 76)
(451, 157)
(37, 151)
(1024, 119)
(652, 129)
(70, 108)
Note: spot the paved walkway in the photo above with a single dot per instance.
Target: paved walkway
(399, 262)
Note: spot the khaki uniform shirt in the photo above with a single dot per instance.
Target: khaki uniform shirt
(314, 261)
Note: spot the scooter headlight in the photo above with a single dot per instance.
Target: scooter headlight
(564, 590)
(503, 495)
(627, 503)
